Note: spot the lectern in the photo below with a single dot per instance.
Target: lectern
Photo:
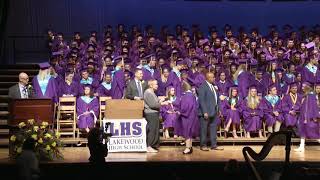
(38, 109)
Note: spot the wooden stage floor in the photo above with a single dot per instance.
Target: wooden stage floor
(174, 154)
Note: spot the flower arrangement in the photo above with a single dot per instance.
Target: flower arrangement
(48, 143)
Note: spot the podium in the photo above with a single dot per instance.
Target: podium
(38, 109)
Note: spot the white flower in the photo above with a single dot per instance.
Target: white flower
(13, 138)
(21, 125)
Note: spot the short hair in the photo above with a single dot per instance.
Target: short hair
(150, 82)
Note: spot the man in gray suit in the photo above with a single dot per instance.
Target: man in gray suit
(136, 87)
(208, 111)
(21, 90)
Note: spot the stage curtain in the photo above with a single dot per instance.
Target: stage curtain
(4, 10)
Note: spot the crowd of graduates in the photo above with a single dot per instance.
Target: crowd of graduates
(272, 78)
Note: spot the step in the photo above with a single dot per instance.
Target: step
(19, 66)
(3, 122)
(7, 84)
(4, 131)
(4, 141)
(16, 72)
(10, 78)
(4, 98)
(4, 113)
(4, 91)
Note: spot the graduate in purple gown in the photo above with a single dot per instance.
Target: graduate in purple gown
(170, 112)
(68, 87)
(309, 123)
(291, 106)
(261, 82)
(87, 109)
(118, 80)
(232, 108)
(243, 80)
(105, 87)
(289, 76)
(174, 78)
(87, 80)
(310, 72)
(44, 85)
(223, 84)
(272, 110)
(165, 72)
(149, 71)
(189, 117)
(252, 113)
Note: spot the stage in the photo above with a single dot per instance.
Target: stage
(169, 162)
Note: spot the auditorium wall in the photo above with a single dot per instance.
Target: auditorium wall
(29, 19)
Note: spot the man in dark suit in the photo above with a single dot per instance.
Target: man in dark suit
(21, 90)
(136, 87)
(208, 111)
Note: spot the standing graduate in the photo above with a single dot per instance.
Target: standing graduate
(223, 84)
(291, 106)
(309, 124)
(87, 109)
(118, 80)
(232, 110)
(243, 80)
(261, 82)
(68, 87)
(105, 87)
(165, 72)
(44, 85)
(252, 113)
(189, 117)
(87, 80)
(174, 78)
(272, 110)
(310, 72)
(170, 113)
(149, 70)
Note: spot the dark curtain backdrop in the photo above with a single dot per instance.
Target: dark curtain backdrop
(29, 19)
(4, 9)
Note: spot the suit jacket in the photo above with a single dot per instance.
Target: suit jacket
(208, 103)
(14, 92)
(132, 89)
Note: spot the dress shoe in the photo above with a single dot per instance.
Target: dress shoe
(217, 148)
(204, 148)
(188, 151)
(151, 150)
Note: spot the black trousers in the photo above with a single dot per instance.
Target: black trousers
(153, 137)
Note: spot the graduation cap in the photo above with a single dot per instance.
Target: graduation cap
(57, 53)
(293, 84)
(117, 60)
(203, 42)
(149, 57)
(44, 65)
(128, 72)
(181, 62)
(184, 71)
(91, 48)
(260, 70)
(165, 66)
(310, 45)
(174, 51)
(252, 87)
(279, 70)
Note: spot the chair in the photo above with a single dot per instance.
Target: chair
(274, 139)
(102, 104)
(67, 116)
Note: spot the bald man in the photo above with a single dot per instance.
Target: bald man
(21, 89)
(208, 98)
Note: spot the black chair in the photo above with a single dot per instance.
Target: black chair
(274, 139)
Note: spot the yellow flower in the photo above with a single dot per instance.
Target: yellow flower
(42, 127)
(57, 134)
(44, 123)
(31, 121)
(19, 150)
(21, 125)
(48, 148)
(47, 135)
(35, 128)
(40, 141)
(35, 136)
(36, 144)
(28, 131)
(54, 144)
(13, 138)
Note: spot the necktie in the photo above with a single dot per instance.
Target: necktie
(139, 89)
(214, 92)
(25, 92)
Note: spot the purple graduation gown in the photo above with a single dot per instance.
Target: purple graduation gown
(234, 115)
(169, 119)
(66, 89)
(252, 117)
(103, 91)
(268, 110)
(307, 75)
(310, 111)
(288, 105)
(161, 88)
(85, 121)
(175, 81)
(51, 90)
(245, 79)
(189, 116)
(147, 75)
(223, 87)
(94, 84)
(118, 85)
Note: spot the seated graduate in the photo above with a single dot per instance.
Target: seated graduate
(105, 87)
(68, 87)
(252, 113)
(44, 85)
(291, 104)
(87, 109)
(87, 80)
(170, 112)
(271, 105)
(232, 110)
(190, 123)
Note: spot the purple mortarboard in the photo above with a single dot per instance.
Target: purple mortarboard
(174, 51)
(306, 83)
(91, 48)
(253, 63)
(317, 83)
(184, 71)
(242, 61)
(181, 62)
(234, 87)
(44, 65)
(203, 42)
(87, 85)
(228, 51)
(298, 52)
(252, 87)
(196, 58)
(165, 66)
(128, 72)
(84, 69)
(149, 57)
(310, 45)
(117, 60)
(260, 70)
(293, 84)
(92, 63)
(57, 53)
(279, 70)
